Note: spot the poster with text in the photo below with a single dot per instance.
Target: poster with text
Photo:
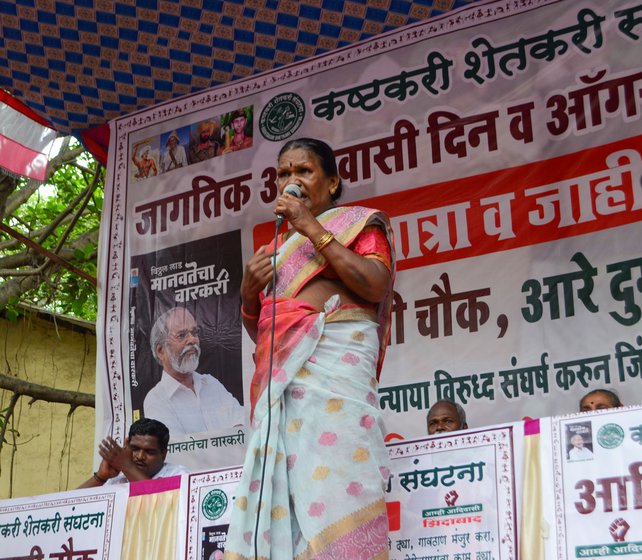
(504, 141)
(211, 497)
(453, 495)
(598, 484)
(77, 524)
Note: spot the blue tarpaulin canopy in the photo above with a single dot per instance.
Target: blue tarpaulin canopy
(80, 63)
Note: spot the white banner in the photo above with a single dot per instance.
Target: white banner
(454, 496)
(211, 498)
(459, 496)
(597, 474)
(79, 525)
(219, 449)
(448, 495)
(503, 139)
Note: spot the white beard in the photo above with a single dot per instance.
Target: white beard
(183, 363)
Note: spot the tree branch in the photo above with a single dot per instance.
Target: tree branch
(36, 233)
(17, 286)
(7, 418)
(59, 235)
(11, 264)
(42, 393)
(48, 254)
(8, 184)
(23, 258)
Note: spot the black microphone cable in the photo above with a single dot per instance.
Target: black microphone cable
(269, 392)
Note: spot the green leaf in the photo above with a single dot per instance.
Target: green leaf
(89, 250)
(12, 314)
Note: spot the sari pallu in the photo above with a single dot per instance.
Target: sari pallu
(297, 264)
(326, 463)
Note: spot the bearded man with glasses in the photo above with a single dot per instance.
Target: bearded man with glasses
(184, 400)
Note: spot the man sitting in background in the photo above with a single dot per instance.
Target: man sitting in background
(446, 416)
(142, 458)
(599, 399)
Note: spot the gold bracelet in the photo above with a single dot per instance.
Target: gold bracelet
(98, 479)
(324, 241)
(248, 315)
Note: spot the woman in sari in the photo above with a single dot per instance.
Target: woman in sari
(320, 480)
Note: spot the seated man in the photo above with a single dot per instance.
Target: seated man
(142, 458)
(446, 416)
(599, 399)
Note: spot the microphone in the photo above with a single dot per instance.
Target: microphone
(292, 190)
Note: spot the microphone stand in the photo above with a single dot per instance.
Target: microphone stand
(279, 221)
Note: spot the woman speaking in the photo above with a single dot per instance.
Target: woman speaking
(320, 481)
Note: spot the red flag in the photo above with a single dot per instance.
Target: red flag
(25, 139)
(96, 140)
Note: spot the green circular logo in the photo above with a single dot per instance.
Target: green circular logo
(214, 504)
(610, 436)
(282, 116)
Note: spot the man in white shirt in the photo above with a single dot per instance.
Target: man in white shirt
(578, 452)
(142, 457)
(184, 400)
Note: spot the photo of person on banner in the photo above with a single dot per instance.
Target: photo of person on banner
(330, 310)
(186, 358)
(174, 155)
(204, 141)
(238, 130)
(184, 400)
(213, 541)
(579, 442)
(144, 158)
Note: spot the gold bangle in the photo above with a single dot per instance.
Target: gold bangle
(324, 241)
(248, 315)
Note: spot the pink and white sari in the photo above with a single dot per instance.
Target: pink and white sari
(326, 466)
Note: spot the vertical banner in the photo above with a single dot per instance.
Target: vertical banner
(454, 496)
(195, 275)
(503, 139)
(598, 484)
(211, 497)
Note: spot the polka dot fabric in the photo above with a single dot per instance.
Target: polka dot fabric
(326, 499)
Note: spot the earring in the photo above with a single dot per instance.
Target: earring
(333, 190)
